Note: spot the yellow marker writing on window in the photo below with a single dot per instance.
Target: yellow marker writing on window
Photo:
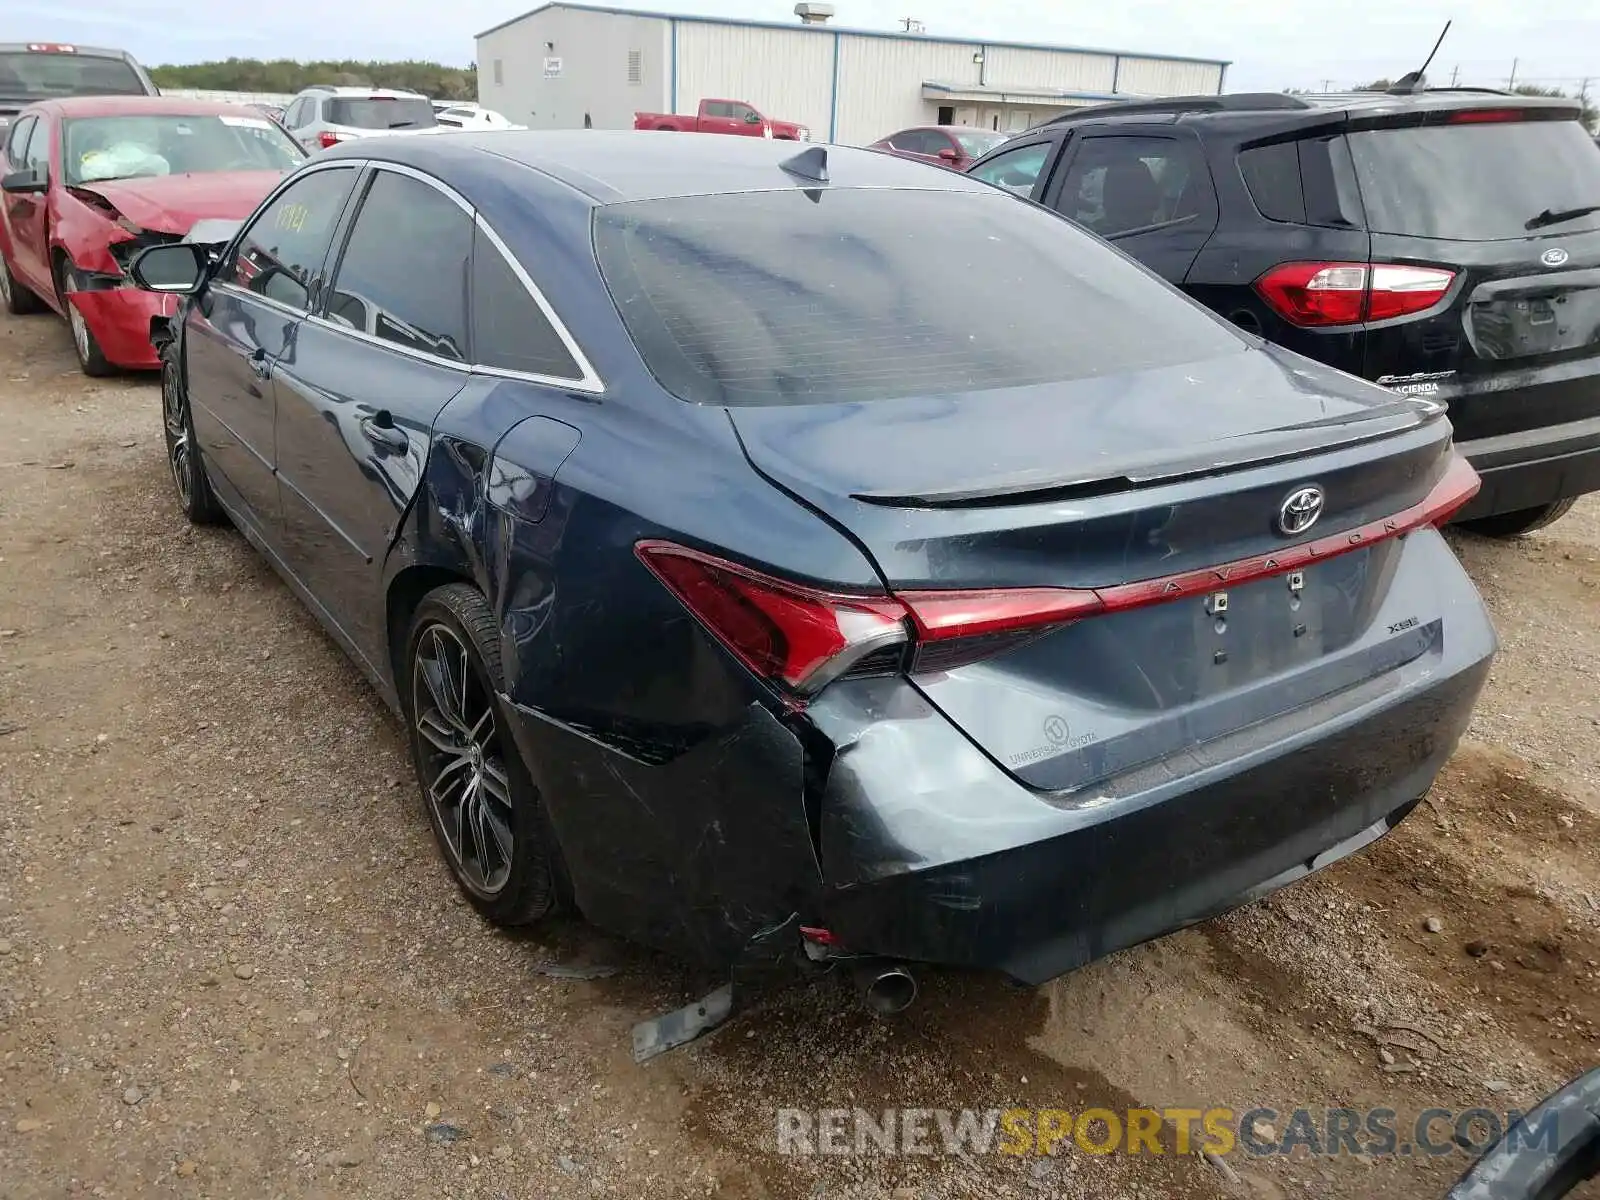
(293, 217)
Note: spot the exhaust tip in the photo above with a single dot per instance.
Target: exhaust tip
(887, 989)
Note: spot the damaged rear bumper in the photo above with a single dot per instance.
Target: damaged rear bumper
(872, 816)
(120, 319)
(1110, 872)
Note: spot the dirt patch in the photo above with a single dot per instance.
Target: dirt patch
(231, 963)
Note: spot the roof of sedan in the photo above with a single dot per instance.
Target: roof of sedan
(614, 166)
(142, 106)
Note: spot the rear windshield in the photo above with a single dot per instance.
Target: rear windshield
(38, 75)
(808, 296)
(1478, 183)
(362, 112)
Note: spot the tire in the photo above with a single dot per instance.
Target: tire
(499, 846)
(16, 299)
(195, 497)
(90, 357)
(1521, 521)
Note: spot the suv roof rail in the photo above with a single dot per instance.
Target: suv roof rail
(1481, 90)
(320, 87)
(1232, 102)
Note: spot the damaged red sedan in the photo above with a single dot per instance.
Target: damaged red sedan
(89, 182)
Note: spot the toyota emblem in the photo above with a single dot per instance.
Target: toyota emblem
(1554, 257)
(1300, 510)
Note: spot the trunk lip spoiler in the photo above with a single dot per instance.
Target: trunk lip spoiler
(1242, 451)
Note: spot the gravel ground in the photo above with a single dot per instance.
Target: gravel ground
(231, 963)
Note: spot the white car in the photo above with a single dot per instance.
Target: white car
(323, 115)
(461, 114)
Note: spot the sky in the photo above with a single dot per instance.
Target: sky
(1273, 44)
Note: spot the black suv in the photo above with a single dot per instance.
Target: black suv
(1442, 243)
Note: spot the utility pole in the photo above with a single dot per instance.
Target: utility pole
(1511, 84)
(1455, 73)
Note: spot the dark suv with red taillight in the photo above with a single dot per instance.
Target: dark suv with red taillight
(1443, 243)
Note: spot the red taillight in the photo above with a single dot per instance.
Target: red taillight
(785, 632)
(1322, 294)
(1486, 116)
(1399, 291)
(1449, 496)
(802, 638)
(327, 138)
(51, 48)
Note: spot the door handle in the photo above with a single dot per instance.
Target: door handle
(380, 430)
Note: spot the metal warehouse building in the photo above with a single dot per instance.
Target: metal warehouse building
(568, 66)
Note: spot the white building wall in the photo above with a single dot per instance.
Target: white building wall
(1162, 77)
(1008, 66)
(880, 83)
(787, 74)
(595, 50)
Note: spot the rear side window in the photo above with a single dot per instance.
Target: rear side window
(921, 141)
(397, 112)
(1478, 182)
(403, 275)
(795, 297)
(509, 329)
(1272, 173)
(1116, 185)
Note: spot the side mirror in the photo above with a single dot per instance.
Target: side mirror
(29, 182)
(752, 118)
(178, 267)
(948, 155)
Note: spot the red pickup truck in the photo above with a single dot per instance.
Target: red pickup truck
(724, 116)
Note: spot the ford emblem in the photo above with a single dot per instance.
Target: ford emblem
(1554, 257)
(1300, 510)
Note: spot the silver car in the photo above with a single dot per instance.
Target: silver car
(323, 115)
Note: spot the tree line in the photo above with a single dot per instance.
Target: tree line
(287, 76)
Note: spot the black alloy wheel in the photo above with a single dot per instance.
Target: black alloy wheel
(195, 497)
(482, 803)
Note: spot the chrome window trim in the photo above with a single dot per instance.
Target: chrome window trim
(361, 335)
(222, 285)
(589, 380)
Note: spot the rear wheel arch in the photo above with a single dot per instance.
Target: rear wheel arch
(405, 593)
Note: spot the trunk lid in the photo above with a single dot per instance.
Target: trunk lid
(1100, 481)
(1160, 488)
(1510, 202)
